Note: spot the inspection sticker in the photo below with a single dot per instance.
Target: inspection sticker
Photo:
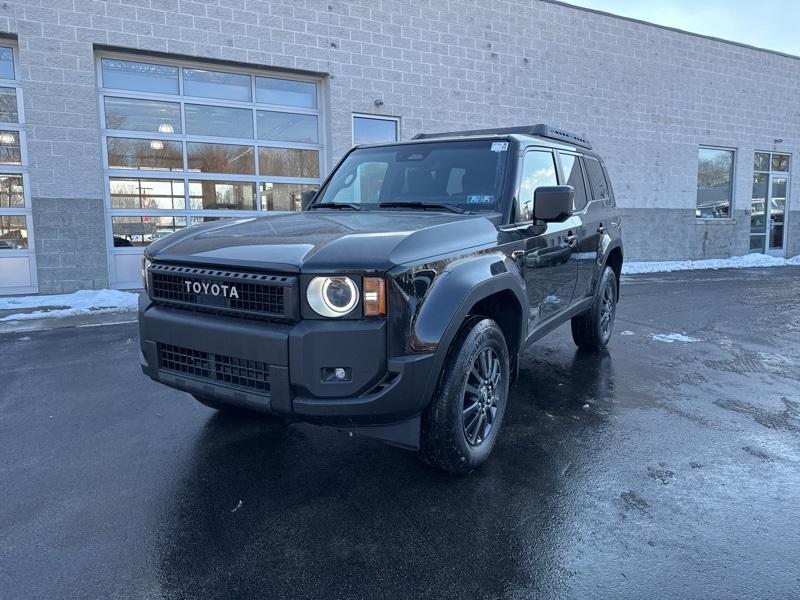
(480, 199)
(499, 146)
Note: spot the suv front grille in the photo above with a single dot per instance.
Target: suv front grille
(217, 368)
(220, 291)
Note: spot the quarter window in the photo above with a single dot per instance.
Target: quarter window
(538, 170)
(573, 176)
(714, 183)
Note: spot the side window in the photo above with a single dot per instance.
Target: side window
(538, 170)
(574, 176)
(597, 180)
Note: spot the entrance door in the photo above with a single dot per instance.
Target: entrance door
(768, 208)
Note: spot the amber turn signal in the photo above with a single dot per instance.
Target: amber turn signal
(374, 297)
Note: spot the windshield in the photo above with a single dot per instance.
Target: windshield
(466, 174)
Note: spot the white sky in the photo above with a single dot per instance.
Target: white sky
(772, 24)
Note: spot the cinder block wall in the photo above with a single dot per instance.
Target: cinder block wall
(646, 96)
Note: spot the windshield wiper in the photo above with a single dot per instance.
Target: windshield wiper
(339, 205)
(422, 205)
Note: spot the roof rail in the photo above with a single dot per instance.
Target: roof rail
(540, 130)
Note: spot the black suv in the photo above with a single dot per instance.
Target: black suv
(398, 302)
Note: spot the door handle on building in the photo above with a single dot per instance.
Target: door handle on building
(601, 229)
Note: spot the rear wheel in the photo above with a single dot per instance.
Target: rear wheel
(592, 329)
(461, 425)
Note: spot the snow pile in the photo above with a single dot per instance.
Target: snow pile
(668, 338)
(68, 305)
(736, 262)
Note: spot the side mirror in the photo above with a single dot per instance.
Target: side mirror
(553, 203)
(306, 197)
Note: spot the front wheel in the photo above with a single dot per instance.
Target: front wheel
(461, 425)
(592, 329)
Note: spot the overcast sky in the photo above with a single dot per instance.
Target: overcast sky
(772, 24)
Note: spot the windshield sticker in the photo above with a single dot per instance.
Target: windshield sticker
(499, 146)
(480, 199)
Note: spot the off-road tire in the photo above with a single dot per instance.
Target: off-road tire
(590, 330)
(444, 442)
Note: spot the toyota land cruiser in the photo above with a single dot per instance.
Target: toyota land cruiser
(397, 303)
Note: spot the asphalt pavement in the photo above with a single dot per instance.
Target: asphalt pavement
(656, 469)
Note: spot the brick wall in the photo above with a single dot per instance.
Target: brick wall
(646, 96)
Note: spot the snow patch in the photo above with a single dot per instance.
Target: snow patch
(626, 332)
(68, 305)
(737, 262)
(668, 338)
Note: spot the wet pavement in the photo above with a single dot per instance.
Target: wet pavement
(654, 470)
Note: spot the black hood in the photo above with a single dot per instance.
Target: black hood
(320, 241)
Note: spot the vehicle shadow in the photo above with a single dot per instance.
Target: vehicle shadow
(274, 510)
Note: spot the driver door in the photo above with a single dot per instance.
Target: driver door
(548, 261)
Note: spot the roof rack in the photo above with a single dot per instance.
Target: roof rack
(540, 130)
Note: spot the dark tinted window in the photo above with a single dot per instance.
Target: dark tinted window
(538, 170)
(597, 179)
(574, 176)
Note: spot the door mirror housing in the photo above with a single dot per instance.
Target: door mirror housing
(306, 197)
(553, 204)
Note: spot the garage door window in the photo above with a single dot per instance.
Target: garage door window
(185, 143)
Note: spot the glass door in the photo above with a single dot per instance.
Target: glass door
(768, 205)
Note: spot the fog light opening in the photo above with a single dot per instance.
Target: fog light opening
(336, 374)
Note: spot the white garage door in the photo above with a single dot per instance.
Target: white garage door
(185, 143)
(17, 257)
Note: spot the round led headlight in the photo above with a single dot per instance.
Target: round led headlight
(332, 296)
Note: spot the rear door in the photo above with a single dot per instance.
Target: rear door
(595, 217)
(548, 264)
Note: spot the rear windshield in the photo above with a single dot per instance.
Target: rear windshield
(469, 174)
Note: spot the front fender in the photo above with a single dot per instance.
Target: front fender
(451, 297)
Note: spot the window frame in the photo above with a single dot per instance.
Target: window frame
(589, 186)
(735, 158)
(184, 138)
(516, 199)
(354, 116)
(563, 178)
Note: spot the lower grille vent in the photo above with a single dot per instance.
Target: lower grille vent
(217, 368)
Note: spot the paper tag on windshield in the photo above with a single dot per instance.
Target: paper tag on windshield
(481, 199)
(499, 146)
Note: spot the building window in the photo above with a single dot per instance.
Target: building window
(369, 129)
(714, 183)
(187, 143)
(17, 259)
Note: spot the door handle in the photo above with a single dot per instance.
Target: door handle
(571, 240)
(601, 229)
(517, 254)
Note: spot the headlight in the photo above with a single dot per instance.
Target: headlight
(145, 268)
(332, 296)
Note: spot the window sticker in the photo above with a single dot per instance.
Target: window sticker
(499, 146)
(486, 199)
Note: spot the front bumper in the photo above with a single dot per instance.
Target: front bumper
(226, 359)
